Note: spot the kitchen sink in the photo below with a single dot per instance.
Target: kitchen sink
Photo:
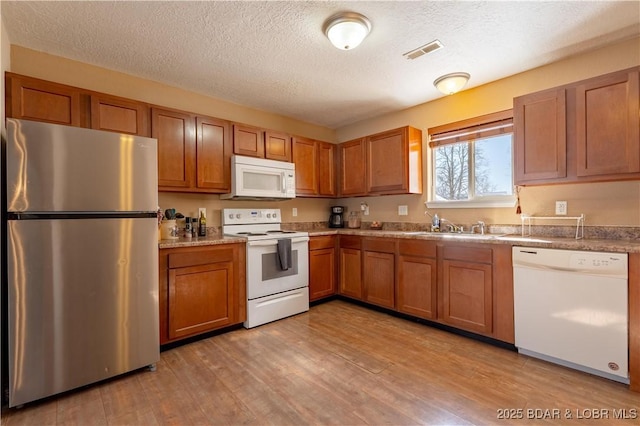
(454, 236)
(470, 236)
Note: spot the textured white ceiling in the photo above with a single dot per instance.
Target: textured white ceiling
(272, 55)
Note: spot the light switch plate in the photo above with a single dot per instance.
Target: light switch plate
(403, 210)
(294, 211)
(561, 208)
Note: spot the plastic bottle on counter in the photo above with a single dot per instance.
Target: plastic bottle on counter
(202, 228)
(194, 227)
(187, 227)
(435, 223)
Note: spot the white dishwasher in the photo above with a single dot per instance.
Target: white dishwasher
(570, 308)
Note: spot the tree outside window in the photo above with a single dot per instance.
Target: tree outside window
(475, 162)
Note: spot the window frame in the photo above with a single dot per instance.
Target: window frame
(468, 131)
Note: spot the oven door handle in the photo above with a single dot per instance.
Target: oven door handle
(262, 243)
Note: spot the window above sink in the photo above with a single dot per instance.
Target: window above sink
(472, 163)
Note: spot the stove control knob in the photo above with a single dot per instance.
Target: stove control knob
(268, 215)
(230, 215)
(274, 215)
(238, 215)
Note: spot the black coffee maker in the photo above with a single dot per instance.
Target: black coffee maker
(336, 220)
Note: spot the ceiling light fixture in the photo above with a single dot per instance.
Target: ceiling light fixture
(346, 30)
(451, 83)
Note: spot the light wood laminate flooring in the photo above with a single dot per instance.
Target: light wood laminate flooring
(338, 364)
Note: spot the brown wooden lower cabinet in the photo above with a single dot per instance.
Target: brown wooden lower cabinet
(467, 286)
(201, 289)
(475, 288)
(350, 265)
(322, 267)
(467, 295)
(416, 290)
(379, 271)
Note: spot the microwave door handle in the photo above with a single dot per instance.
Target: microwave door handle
(284, 182)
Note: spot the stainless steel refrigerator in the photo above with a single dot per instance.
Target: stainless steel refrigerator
(82, 257)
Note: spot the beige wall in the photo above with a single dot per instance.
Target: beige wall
(616, 203)
(309, 210)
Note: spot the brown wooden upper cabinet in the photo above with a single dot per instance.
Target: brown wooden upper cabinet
(385, 163)
(33, 99)
(277, 146)
(353, 166)
(255, 142)
(608, 125)
(120, 115)
(394, 162)
(193, 152)
(315, 167)
(582, 132)
(213, 155)
(540, 148)
(175, 131)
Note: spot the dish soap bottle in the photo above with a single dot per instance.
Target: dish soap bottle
(435, 223)
(202, 226)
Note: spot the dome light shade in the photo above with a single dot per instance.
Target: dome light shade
(451, 83)
(346, 30)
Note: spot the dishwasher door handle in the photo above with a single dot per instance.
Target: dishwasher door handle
(538, 267)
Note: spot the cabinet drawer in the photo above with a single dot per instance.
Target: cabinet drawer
(350, 241)
(324, 242)
(417, 248)
(200, 257)
(470, 254)
(381, 245)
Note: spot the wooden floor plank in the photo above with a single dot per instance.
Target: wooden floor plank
(339, 363)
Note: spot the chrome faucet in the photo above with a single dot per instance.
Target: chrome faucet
(452, 226)
(479, 225)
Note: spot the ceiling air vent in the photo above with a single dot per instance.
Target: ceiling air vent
(423, 50)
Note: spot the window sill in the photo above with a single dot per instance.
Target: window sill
(505, 203)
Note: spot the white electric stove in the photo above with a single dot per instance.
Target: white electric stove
(276, 288)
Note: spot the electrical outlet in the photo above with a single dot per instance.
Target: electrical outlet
(403, 210)
(366, 210)
(294, 211)
(561, 207)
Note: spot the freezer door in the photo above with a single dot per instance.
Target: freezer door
(54, 168)
(82, 302)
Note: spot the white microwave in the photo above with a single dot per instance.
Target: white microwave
(256, 178)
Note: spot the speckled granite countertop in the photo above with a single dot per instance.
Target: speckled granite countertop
(590, 244)
(209, 240)
(607, 245)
